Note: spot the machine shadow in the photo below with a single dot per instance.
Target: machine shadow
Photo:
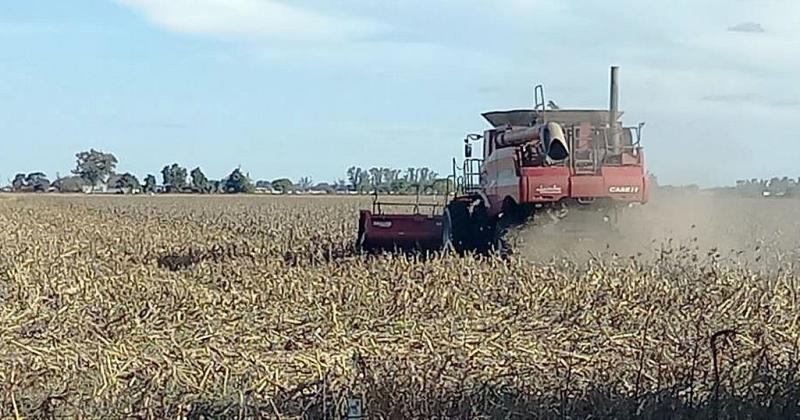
(393, 398)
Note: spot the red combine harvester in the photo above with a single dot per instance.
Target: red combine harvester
(544, 162)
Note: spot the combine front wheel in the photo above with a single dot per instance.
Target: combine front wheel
(482, 230)
(455, 227)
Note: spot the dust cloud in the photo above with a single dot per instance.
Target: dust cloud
(741, 229)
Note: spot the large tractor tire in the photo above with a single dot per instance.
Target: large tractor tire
(483, 230)
(456, 227)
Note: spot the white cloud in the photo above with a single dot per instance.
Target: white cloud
(251, 19)
(747, 27)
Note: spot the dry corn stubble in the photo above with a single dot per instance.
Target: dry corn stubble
(258, 306)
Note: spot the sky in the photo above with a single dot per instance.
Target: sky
(310, 87)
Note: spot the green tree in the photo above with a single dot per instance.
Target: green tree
(324, 187)
(304, 184)
(376, 177)
(340, 185)
(34, 181)
(200, 183)
(127, 182)
(443, 186)
(282, 185)
(94, 166)
(174, 178)
(400, 186)
(37, 182)
(217, 186)
(19, 183)
(354, 176)
(166, 176)
(411, 175)
(149, 184)
(237, 183)
(359, 179)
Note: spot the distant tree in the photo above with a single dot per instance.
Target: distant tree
(340, 185)
(264, 184)
(282, 185)
(376, 177)
(363, 183)
(95, 166)
(37, 182)
(426, 176)
(353, 176)
(216, 186)
(422, 179)
(237, 182)
(166, 176)
(400, 186)
(149, 184)
(127, 182)
(323, 187)
(34, 181)
(392, 175)
(395, 181)
(200, 183)
(359, 179)
(179, 177)
(304, 184)
(174, 177)
(442, 186)
(19, 183)
(386, 179)
(411, 175)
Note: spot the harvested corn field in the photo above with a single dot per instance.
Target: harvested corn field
(258, 307)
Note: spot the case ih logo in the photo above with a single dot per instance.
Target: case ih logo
(628, 189)
(553, 189)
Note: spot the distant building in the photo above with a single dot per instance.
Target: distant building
(264, 188)
(94, 189)
(105, 189)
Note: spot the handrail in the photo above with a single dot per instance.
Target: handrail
(377, 204)
(538, 99)
(377, 207)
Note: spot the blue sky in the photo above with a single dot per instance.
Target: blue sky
(310, 87)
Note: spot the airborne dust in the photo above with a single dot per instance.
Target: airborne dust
(742, 230)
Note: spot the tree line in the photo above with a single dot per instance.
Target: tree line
(774, 187)
(396, 181)
(95, 171)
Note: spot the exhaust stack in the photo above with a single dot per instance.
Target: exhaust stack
(613, 113)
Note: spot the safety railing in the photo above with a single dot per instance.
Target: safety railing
(416, 206)
(467, 179)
